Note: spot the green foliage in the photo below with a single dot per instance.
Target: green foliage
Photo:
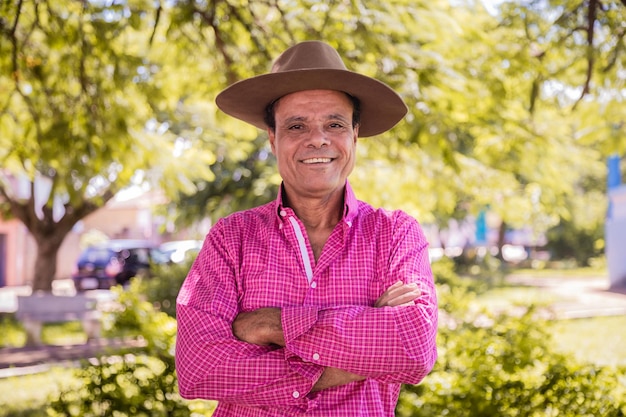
(79, 84)
(131, 385)
(28, 395)
(134, 384)
(603, 342)
(489, 365)
(244, 176)
(568, 241)
(503, 365)
(13, 334)
(12, 331)
(95, 96)
(162, 288)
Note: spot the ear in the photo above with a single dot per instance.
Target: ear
(271, 134)
(355, 131)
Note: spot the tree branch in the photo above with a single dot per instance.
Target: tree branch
(157, 18)
(616, 51)
(13, 37)
(209, 19)
(591, 20)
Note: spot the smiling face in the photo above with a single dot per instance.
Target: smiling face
(314, 142)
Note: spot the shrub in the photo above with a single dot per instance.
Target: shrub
(13, 334)
(502, 365)
(161, 290)
(133, 384)
(489, 365)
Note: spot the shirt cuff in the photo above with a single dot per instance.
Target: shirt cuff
(297, 320)
(310, 373)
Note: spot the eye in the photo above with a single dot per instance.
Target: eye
(295, 127)
(336, 125)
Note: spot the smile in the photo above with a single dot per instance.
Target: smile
(316, 161)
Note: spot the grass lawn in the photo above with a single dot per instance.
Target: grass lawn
(13, 335)
(589, 272)
(598, 340)
(502, 297)
(27, 396)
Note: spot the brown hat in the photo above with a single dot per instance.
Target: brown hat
(313, 65)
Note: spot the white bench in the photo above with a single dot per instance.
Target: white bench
(39, 308)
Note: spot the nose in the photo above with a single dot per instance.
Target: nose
(318, 137)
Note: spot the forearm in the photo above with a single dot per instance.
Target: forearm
(211, 364)
(333, 377)
(389, 344)
(261, 327)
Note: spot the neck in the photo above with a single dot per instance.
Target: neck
(317, 213)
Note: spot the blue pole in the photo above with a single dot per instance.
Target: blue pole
(613, 178)
(481, 228)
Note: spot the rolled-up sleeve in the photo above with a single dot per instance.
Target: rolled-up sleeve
(389, 344)
(210, 362)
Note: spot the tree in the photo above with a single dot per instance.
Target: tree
(97, 95)
(76, 96)
(577, 60)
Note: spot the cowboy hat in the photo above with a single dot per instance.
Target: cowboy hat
(313, 65)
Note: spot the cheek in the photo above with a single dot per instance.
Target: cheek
(352, 157)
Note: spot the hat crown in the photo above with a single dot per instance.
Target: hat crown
(313, 65)
(308, 55)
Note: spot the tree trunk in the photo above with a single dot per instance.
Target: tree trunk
(46, 262)
(48, 232)
(501, 237)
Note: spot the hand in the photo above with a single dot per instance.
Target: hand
(399, 294)
(333, 377)
(261, 327)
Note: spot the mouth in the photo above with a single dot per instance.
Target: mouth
(316, 160)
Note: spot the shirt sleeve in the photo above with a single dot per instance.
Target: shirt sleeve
(210, 362)
(389, 344)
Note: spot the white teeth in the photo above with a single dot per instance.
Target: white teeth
(316, 160)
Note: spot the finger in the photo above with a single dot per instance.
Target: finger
(398, 294)
(404, 299)
(388, 294)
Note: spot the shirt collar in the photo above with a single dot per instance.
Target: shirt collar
(350, 207)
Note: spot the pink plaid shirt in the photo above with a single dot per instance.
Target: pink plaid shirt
(262, 258)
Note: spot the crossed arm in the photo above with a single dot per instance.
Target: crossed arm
(263, 327)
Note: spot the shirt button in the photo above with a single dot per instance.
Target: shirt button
(316, 356)
(314, 285)
(296, 394)
(283, 213)
(349, 224)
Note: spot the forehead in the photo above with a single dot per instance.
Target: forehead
(324, 99)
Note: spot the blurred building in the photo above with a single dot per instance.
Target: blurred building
(128, 215)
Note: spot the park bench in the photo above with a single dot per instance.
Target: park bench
(39, 308)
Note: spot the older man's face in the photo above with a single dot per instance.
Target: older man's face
(314, 142)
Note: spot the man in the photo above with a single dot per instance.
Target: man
(315, 304)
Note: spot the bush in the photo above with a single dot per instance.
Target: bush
(496, 365)
(161, 290)
(134, 384)
(489, 365)
(129, 385)
(568, 241)
(13, 334)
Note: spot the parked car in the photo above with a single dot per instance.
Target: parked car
(113, 262)
(178, 251)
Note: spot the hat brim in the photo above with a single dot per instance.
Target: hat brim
(381, 107)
